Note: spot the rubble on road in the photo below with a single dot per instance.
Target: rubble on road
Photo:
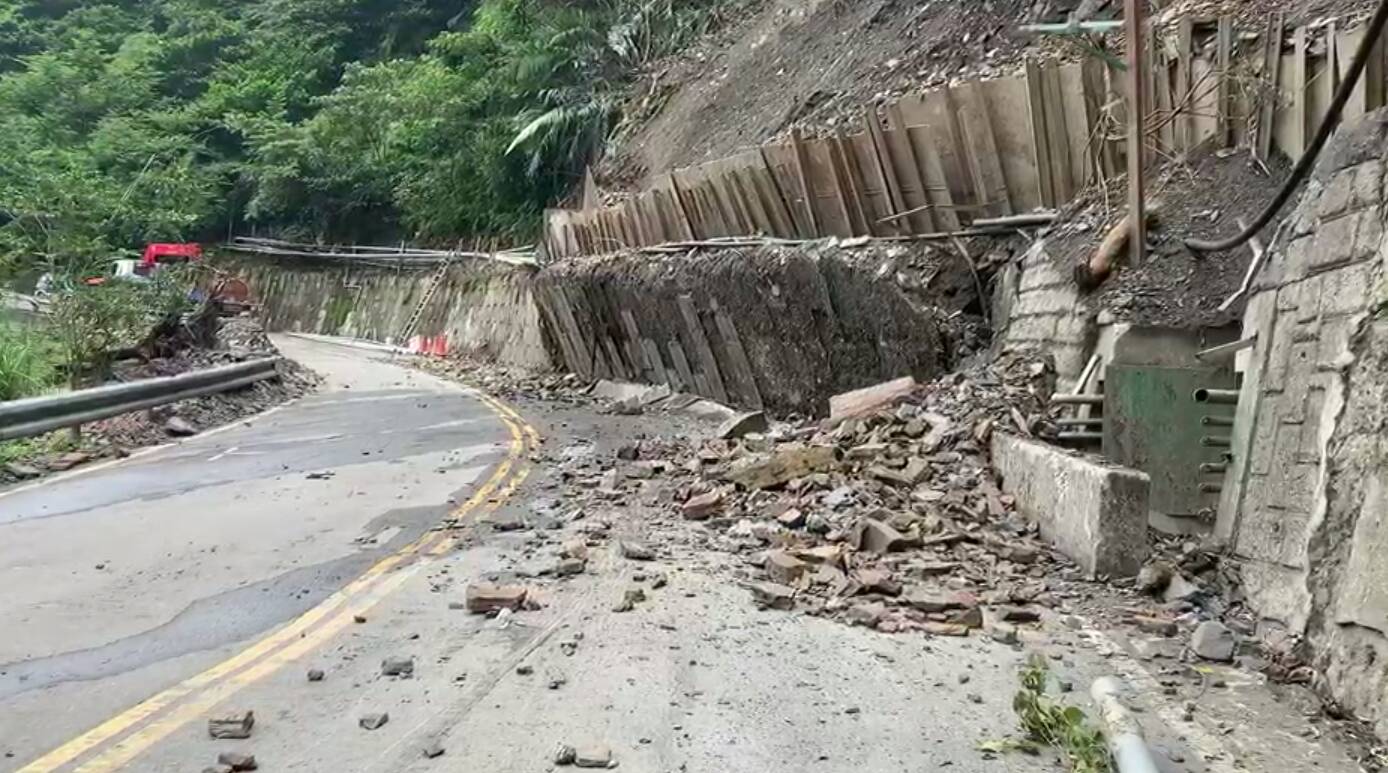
(233, 726)
(397, 666)
(237, 761)
(373, 721)
(485, 598)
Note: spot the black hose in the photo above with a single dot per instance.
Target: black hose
(1308, 158)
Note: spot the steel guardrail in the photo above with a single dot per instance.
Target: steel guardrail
(37, 415)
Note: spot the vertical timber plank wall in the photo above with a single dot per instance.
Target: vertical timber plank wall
(999, 146)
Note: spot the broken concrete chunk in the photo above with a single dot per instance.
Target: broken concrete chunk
(784, 568)
(630, 599)
(877, 581)
(234, 726)
(1154, 577)
(1213, 641)
(791, 519)
(944, 629)
(483, 598)
(432, 750)
(315, 675)
(743, 424)
(374, 721)
(593, 756)
(636, 551)
(940, 601)
(873, 536)
(574, 548)
(177, 426)
(867, 615)
(787, 462)
(861, 402)
(569, 567)
(1180, 589)
(564, 755)
(703, 506)
(397, 666)
(237, 760)
(21, 471)
(770, 595)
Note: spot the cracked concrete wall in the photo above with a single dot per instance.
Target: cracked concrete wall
(1303, 505)
(1040, 308)
(484, 308)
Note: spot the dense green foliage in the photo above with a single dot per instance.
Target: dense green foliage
(28, 362)
(128, 121)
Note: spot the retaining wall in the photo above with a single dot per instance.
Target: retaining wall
(1303, 506)
(482, 307)
(782, 329)
(1095, 513)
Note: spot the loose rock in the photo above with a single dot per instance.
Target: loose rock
(636, 551)
(703, 506)
(233, 727)
(373, 721)
(1213, 641)
(770, 595)
(237, 760)
(742, 424)
(316, 675)
(483, 598)
(594, 756)
(397, 666)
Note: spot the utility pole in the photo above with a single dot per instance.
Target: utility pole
(1134, 17)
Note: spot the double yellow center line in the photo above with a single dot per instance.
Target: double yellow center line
(162, 714)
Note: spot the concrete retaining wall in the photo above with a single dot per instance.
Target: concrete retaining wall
(483, 307)
(1092, 512)
(1303, 504)
(1039, 306)
(777, 328)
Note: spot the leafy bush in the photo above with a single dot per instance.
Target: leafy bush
(28, 362)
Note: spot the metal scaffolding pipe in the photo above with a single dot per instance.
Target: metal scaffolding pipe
(1215, 441)
(1211, 468)
(1081, 436)
(1217, 421)
(1077, 399)
(1211, 488)
(1217, 396)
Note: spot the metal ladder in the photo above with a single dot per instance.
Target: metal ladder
(434, 282)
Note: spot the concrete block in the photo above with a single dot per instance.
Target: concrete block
(1347, 290)
(1333, 243)
(1336, 197)
(1367, 190)
(1094, 513)
(1368, 235)
(1048, 300)
(1032, 328)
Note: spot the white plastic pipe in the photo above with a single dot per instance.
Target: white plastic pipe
(1125, 741)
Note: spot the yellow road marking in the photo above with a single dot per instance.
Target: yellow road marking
(291, 638)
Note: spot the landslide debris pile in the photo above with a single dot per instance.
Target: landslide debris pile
(889, 518)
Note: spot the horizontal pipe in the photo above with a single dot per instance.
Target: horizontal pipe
(1211, 488)
(1217, 396)
(1217, 421)
(1121, 728)
(78, 417)
(1215, 441)
(1212, 468)
(1084, 436)
(1059, 399)
(1226, 350)
(1079, 422)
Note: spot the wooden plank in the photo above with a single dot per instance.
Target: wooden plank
(1346, 44)
(1272, 69)
(1224, 49)
(851, 158)
(846, 170)
(831, 215)
(1097, 145)
(1162, 102)
(678, 200)
(872, 187)
(613, 362)
(1322, 77)
(708, 364)
(985, 167)
(1006, 101)
(746, 185)
(654, 361)
(1056, 135)
(585, 356)
(681, 364)
(1300, 107)
(1134, 12)
(740, 364)
(933, 175)
(1079, 124)
(908, 171)
(798, 147)
(781, 161)
(1185, 124)
(635, 351)
(773, 197)
(945, 136)
(1041, 147)
(885, 173)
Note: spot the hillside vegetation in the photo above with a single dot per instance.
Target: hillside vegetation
(128, 121)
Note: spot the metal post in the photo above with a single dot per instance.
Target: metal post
(1134, 18)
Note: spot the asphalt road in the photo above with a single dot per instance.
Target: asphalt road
(205, 579)
(128, 578)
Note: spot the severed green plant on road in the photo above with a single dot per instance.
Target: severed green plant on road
(1053, 724)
